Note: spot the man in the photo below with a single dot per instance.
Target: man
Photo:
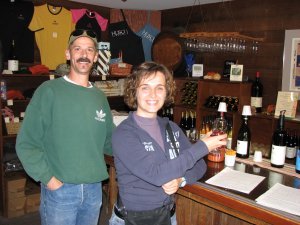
(66, 131)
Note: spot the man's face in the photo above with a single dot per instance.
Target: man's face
(82, 55)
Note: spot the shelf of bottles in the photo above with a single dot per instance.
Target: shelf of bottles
(231, 102)
(188, 125)
(189, 94)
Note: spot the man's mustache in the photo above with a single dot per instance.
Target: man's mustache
(83, 60)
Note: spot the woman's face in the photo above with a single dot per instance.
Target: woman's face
(151, 95)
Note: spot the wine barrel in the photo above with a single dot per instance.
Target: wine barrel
(167, 49)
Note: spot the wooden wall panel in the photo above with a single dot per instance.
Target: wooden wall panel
(267, 19)
(136, 19)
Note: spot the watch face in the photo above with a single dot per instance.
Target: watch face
(183, 182)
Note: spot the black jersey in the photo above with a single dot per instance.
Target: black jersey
(14, 20)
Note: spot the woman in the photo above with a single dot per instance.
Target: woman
(149, 170)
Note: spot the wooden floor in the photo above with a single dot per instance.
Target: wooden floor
(34, 218)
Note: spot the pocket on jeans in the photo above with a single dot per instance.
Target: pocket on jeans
(56, 188)
(65, 194)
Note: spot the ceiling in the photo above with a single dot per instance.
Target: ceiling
(147, 4)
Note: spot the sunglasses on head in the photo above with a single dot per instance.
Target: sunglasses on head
(79, 32)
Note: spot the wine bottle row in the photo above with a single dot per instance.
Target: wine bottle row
(188, 125)
(167, 112)
(189, 93)
(214, 101)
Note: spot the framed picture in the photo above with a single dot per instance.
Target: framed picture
(197, 70)
(291, 61)
(227, 66)
(236, 72)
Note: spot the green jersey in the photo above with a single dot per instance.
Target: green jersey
(66, 132)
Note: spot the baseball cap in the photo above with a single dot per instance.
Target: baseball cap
(82, 33)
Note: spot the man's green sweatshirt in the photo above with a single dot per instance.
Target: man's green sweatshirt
(65, 133)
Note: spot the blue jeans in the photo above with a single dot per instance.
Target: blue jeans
(71, 204)
(115, 220)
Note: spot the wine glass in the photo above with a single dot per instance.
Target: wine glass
(219, 128)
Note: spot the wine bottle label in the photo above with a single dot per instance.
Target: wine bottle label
(278, 155)
(13, 65)
(241, 147)
(290, 152)
(256, 102)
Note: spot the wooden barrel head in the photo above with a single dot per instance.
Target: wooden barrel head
(167, 50)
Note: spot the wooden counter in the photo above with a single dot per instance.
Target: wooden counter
(205, 204)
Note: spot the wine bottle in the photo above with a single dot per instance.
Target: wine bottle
(188, 120)
(182, 121)
(13, 62)
(229, 135)
(193, 131)
(202, 130)
(279, 143)
(1, 57)
(167, 113)
(256, 94)
(171, 115)
(290, 147)
(244, 135)
(297, 168)
(3, 89)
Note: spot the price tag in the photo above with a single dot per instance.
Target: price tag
(51, 77)
(22, 114)
(16, 120)
(103, 77)
(10, 102)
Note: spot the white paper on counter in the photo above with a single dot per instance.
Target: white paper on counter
(281, 197)
(235, 180)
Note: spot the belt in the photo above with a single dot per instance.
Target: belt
(121, 215)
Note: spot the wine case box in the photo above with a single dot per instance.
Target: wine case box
(15, 213)
(15, 185)
(16, 206)
(32, 203)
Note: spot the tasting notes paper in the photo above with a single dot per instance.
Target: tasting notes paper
(281, 197)
(235, 180)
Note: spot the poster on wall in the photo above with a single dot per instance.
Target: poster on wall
(291, 61)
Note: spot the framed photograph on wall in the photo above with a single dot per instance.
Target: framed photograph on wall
(291, 61)
(236, 72)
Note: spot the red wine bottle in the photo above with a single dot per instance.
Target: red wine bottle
(257, 94)
(279, 143)
(243, 140)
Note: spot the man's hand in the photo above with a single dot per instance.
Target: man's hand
(172, 186)
(54, 184)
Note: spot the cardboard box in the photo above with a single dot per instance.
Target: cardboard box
(13, 195)
(16, 204)
(32, 203)
(15, 213)
(15, 184)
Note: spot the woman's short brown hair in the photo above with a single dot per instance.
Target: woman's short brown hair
(144, 71)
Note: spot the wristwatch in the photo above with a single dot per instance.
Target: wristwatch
(183, 182)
